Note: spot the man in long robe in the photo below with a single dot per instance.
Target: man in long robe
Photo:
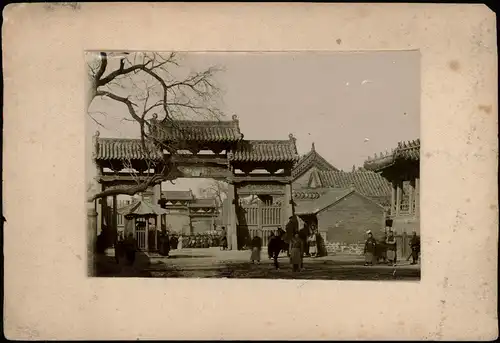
(415, 247)
(292, 227)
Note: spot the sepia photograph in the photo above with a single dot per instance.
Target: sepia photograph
(274, 165)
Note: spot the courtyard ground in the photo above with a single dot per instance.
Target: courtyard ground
(213, 263)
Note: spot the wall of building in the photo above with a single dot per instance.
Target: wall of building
(347, 221)
(178, 222)
(200, 225)
(406, 224)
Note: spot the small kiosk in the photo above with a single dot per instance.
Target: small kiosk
(141, 219)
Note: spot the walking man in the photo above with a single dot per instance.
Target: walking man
(415, 247)
(274, 249)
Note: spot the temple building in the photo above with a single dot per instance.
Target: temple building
(187, 214)
(342, 215)
(401, 167)
(344, 205)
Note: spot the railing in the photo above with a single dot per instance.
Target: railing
(140, 236)
(404, 208)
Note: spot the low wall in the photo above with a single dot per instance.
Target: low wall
(345, 249)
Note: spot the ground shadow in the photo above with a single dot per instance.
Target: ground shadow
(188, 256)
(107, 266)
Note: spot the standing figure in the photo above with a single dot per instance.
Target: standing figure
(391, 248)
(370, 248)
(304, 234)
(311, 242)
(296, 251)
(256, 247)
(223, 240)
(180, 241)
(415, 247)
(269, 250)
(274, 249)
(130, 247)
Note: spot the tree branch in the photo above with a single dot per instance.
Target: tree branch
(128, 190)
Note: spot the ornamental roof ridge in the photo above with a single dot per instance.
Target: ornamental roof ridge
(403, 148)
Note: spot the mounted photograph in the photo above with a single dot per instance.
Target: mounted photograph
(276, 165)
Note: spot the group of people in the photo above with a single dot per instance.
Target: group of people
(386, 249)
(306, 242)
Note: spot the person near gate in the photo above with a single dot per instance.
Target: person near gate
(303, 234)
(223, 240)
(311, 242)
(370, 247)
(130, 247)
(415, 247)
(296, 252)
(291, 228)
(391, 248)
(256, 247)
(274, 249)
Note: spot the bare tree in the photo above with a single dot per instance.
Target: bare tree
(150, 85)
(217, 189)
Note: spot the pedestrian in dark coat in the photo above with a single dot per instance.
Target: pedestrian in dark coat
(256, 247)
(415, 247)
(130, 247)
(370, 249)
(296, 252)
(291, 228)
(274, 249)
(390, 243)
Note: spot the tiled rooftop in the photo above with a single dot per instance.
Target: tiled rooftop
(265, 151)
(178, 195)
(199, 130)
(409, 151)
(367, 183)
(312, 158)
(326, 199)
(124, 149)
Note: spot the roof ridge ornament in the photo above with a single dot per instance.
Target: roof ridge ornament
(313, 148)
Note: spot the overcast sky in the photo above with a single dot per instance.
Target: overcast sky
(351, 105)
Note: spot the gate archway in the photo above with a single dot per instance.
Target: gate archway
(206, 149)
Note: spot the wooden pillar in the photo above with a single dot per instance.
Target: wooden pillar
(147, 235)
(156, 233)
(393, 198)
(232, 233)
(417, 197)
(287, 204)
(115, 220)
(91, 240)
(104, 212)
(99, 209)
(411, 196)
(398, 196)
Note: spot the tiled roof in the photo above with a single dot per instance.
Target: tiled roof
(265, 151)
(141, 208)
(203, 203)
(312, 158)
(178, 195)
(326, 199)
(199, 130)
(409, 151)
(124, 149)
(367, 183)
(306, 195)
